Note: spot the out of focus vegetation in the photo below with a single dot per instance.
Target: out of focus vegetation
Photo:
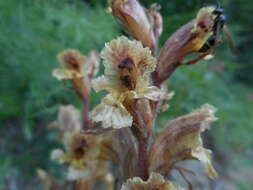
(32, 32)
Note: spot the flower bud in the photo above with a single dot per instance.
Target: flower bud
(186, 40)
(135, 20)
(156, 20)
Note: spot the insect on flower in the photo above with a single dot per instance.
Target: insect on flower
(219, 24)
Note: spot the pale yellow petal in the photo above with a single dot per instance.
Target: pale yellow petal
(204, 156)
(151, 93)
(112, 115)
(58, 155)
(75, 174)
(104, 83)
(155, 181)
(61, 74)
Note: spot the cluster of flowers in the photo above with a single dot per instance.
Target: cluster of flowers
(119, 129)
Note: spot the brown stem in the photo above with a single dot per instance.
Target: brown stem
(81, 86)
(143, 162)
(86, 119)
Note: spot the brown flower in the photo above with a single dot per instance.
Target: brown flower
(186, 40)
(181, 140)
(128, 66)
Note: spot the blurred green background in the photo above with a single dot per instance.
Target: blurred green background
(32, 32)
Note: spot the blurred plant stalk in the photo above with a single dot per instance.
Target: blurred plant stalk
(118, 131)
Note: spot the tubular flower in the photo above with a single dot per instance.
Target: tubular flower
(128, 66)
(203, 26)
(79, 149)
(155, 181)
(188, 39)
(181, 140)
(134, 19)
(73, 65)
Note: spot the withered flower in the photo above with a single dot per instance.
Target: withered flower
(155, 181)
(69, 119)
(128, 66)
(181, 140)
(135, 20)
(186, 40)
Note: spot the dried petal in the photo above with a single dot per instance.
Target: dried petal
(112, 113)
(180, 139)
(155, 181)
(204, 156)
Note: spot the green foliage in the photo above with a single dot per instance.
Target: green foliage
(31, 35)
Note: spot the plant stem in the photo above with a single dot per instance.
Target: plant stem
(82, 89)
(86, 119)
(143, 161)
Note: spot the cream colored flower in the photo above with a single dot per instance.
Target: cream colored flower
(128, 66)
(73, 65)
(112, 113)
(155, 181)
(79, 150)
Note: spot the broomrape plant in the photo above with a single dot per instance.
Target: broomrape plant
(114, 145)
